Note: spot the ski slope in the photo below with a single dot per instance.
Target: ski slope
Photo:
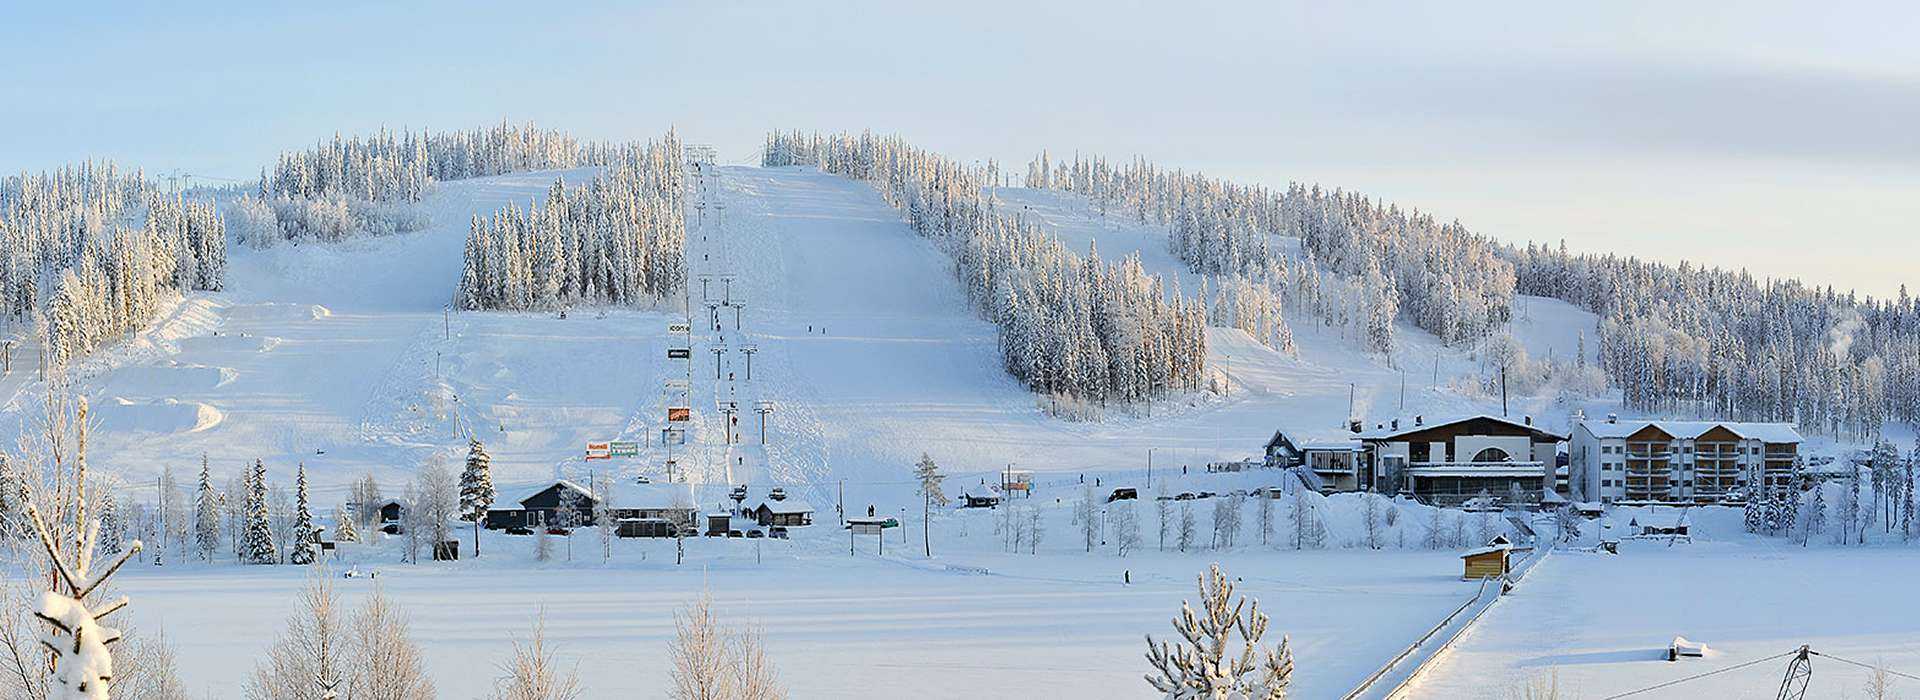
(345, 358)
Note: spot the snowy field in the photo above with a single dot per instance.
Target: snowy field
(992, 625)
(1601, 624)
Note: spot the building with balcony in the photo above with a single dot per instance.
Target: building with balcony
(1450, 461)
(1679, 461)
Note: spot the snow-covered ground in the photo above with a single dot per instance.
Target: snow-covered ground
(345, 358)
(1600, 624)
(972, 622)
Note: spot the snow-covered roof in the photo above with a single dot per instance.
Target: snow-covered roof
(1410, 426)
(1489, 549)
(1665, 521)
(1764, 432)
(557, 482)
(787, 507)
(1338, 445)
(654, 496)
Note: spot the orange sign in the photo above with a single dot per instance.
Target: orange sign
(599, 450)
(679, 414)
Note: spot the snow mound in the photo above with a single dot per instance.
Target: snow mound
(165, 380)
(166, 416)
(277, 312)
(241, 342)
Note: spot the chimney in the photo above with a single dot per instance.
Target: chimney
(1527, 419)
(1354, 425)
(1613, 418)
(1396, 424)
(1419, 420)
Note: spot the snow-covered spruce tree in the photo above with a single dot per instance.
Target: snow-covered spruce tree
(113, 530)
(304, 537)
(1126, 527)
(476, 488)
(206, 515)
(533, 674)
(1208, 664)
(929, 476)
(1086, 517)
(542, 544)
(258, 547)
(314, 658)
(343, 528)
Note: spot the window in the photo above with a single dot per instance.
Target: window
(1492, 454)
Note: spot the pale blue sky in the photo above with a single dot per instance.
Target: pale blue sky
(1774, 136)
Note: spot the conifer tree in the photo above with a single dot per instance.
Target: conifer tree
(476, 488)
(303, 534)
(258, 546)
(206, 515)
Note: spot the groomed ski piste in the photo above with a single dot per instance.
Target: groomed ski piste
(349, 359)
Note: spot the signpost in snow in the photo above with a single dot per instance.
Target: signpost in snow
(599, 450)
(680, 328)
(679, 354)
(679, 414)
(623, 448)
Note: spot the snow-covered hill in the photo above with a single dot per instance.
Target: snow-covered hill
(345, 358)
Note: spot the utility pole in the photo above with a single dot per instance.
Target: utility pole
(446, 322)
(840, 508)
(1150, 466)
(717, 352)
(1503, 391)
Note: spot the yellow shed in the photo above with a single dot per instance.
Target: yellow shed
(1485, 562)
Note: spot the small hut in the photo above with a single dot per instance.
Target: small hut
(1490, 561)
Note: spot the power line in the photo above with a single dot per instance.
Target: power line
(1702, 675)
(1869, 667)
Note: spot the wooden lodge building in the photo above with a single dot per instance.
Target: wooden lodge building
(1450, 461)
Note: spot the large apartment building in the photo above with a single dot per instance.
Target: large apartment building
(1690, 461)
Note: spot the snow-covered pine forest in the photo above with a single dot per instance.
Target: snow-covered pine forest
(1385, 262)
(618, 239)
(94, 253)
(1690, 339)
(369, 184)
(1071, 326)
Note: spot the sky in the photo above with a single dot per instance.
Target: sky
(1775, 137)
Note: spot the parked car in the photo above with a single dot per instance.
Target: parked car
(735, 533)
(642, 479)
(777, 532)
(1206, 494)
(755, 534)
(561, 531)
(519, 530)
(1184, 496)
(1123, 494)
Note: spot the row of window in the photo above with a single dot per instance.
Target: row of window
(1685, 448)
